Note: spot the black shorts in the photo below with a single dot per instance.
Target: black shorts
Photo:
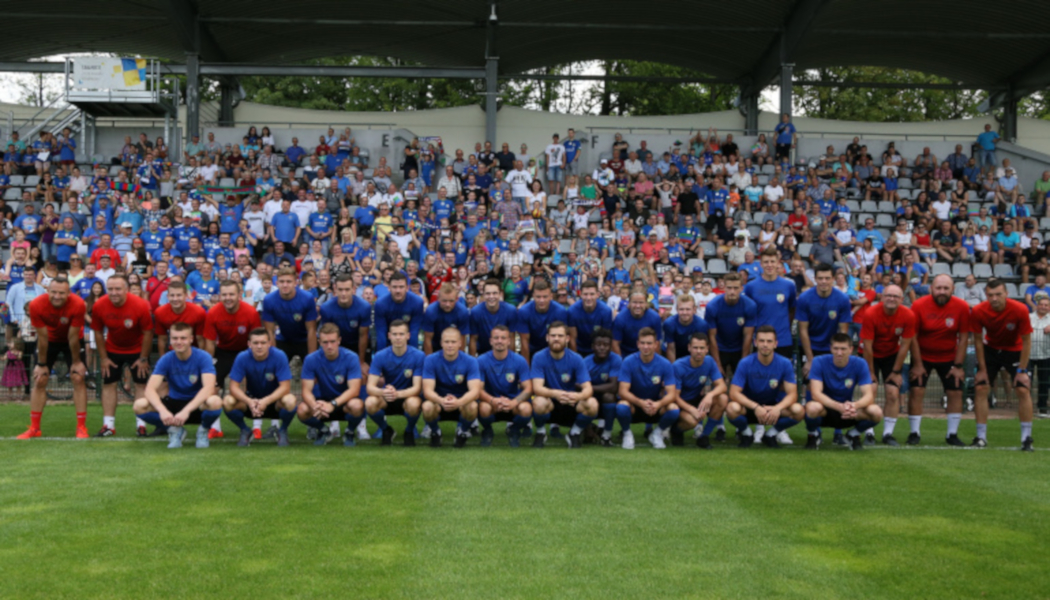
(730, 361)
(122, 361)
(996, 360)
(834, 419)
(397, 407)
(941, 368)
(563, 414)
(448, 415)
(223, 365)
(272, 411)
(639, 416)
(884, 367)
(783, 151)
(175, 406)
(293, 349)
(337, 413)
(55, 350)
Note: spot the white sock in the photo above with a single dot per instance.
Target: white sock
(771, 432)
(1026, 430)
(887, 426)
(721, 427)
(760, 430)
(853, 433)
(273, 422)
(953, 423)
(599, 423)
(607, 434)
(216, 426)
(982, 431)
(916, 423)
(334, 427)
(575, 430)
(257, 423)
(870, 431)
(110, 422)
(541, 430)
(139, 423)
(748, 432)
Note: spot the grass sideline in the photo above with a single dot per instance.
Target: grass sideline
(112, 518)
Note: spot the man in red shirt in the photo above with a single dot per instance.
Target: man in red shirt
(104, 249)
(1005, 345)
(887, 329)
(177, 310)
(125, 322)
(158, 284)
(942, 334)
(226, 331)
(58, 319)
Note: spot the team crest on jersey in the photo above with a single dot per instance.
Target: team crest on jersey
(565, 378)
(297, 317)
(773, 383)
(339, 379)
(408, 372)
(898, 330)
(605, 377)
(510, 377)
(406, 318)
(1010, 326)
(780, 298)
(832, 314)
(656, 379)
(64, 321)
(353, 323)
(193, 379)
(242, 330)
(703, 379)
(269, 377)
(459, 378)
(949, 322)
(128, 323)
(740, 321)
(849, 383)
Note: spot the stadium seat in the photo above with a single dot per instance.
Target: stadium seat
(609, 263)
(885, 220)
(768, 169)
(13, 193)
(869, 206)
(885, 206)
(227, 182)
(743, 214)
(708, 248)
(853, 206)
(754, 230)
(552, 202)
(853, 193)
(862, 217)
(115, 170)
(17, 180)
(32, 180)
(959, 270)
(717, 266)
(1013, 292)
(759, 217)
(369, 173)
(629, 262)
(693, 263)
(1004, 271)
(564, 246)
(804, 248)
(167, 189)
(763, 179)
(905, 183)
(299, 173)
(1044, 223)
(906, 194)
(940, 269)
(973, 207)
(982, 271)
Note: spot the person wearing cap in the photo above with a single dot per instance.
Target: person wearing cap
(603, 175)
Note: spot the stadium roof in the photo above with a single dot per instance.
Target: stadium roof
(976, 43)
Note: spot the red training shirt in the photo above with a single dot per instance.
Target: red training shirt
(114, 256)
(938, 327)
(165, 317)
(123, 327)
(58, 320)
(230, 332)
(886, 331)
(1002, 330)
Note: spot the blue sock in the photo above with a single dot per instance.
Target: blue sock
(519, 423)
(486, 422)
(312, 422)
(740, 422)
(623, 415)
(209, 416)
(410, 423)
(435, 426)
(464, 424)
(863, 426)
(813, 425)
(379, 418)
(153, 418)
(669, 418)
(352, 422)
(785, 423)
(540, 420)
(609, 415)
(237, 416)
(837, 430)
(286, 417)
(710, 425)
(582, 421)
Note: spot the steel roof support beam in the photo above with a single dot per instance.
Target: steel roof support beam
(491, 74)
(782, 51)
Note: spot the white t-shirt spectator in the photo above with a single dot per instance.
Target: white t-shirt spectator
(773, 193)
(982, 243)
(208, 172)
(633, 167)
(942, 208)
(271, 208)
(321, 184)
(555, 155)
(702, 300)
(402, 242)
(256, 222)
(519, 183)
(303, 209)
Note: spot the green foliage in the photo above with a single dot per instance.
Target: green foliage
(657, 98)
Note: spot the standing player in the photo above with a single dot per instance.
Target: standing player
(886, 332)
(679, 328)
(451, 387)
(1005, 345)
(731, 318)
(400, 367)
(536, 316)
(331, 384)
(647, 388)
(507, 388)
(833, 382)
(942, 334)
(604, 368)
(693, 375)
(586, 315)
(227, 329)
(448, 311)
(177, 310)
(562, 388)
(295, 313)
(774, 298)
(125, 322)
(764, 392)
(351, 314)
(627, 325)
(191, 399)
(399, 304)
(261, 385)
(59, 321)
(486, 316)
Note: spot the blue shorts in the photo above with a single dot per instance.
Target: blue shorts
(554, 174)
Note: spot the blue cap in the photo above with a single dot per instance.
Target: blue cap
(698, 269)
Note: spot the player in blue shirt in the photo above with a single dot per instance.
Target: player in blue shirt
(189, 375)
(604, 368)
(764, 392)
(561, 388)
(487, 315)
(586, 315)
(833, 383)
(448, 311)
(693, 375)
(331, 383)
(647, 391)
(451, 387)
(261, 384)
(400, 367)
(399, 304)
(731, 318)
(628, 324)
(508, 388)
(679, 328)
(351, 314)
(774, 298)
(536, 316)
(295, 312)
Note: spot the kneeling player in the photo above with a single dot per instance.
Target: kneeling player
(693, 374)
(451, 387)
(648, 390)
(507, 389)
(260, 383)
(331, 388)
(191, 398)
(833, 379)
(400, 367)
(604, 368)
(764, 392)
(562, 388)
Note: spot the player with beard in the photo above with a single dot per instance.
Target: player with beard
(886, 333)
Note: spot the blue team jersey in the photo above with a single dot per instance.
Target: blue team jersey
(387, 311)
(647, 380)
(619, 275)
(691, 381)
(603, 372)
(81, 288)
(290, 315)
(774, 300)
(503, 377)
(482, 322)
(586, 322)
(535, 323)
(451, 377)
(64, 251)
(678, 334)
(203, 288)
(184, 376)
(230, 218)
(395, 370)
(761, 383)
(331, 377)
(152, 241)
(260, 378)
(350, 319)
(839, 384)
(320, 222)
(571, 148)
(436, 320)
(566, 373)
(823, 316)
(626, 327)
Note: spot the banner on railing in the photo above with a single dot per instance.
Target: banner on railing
(109, 73)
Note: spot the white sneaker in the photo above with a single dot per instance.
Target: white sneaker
(698, 431)
(334, 428)
(425, 433)
(760, 430)
(628, 440)
(362, 430)
(784, 438)
(656, 438)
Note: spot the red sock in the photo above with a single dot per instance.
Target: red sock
(81, 419)
(34, 419)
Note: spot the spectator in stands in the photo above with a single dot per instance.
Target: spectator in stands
(957, 162)
(1008, 189)
(1008, 243)
(988, 141)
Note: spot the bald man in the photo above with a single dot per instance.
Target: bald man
(887, 331)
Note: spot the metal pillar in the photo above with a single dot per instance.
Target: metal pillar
(785, 88)
(1010, 116)
(193, 98)
(226, 105)
(750, 106)
(491, 76)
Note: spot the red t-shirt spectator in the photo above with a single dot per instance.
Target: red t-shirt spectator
(192, 314)
(938, 327)
(230, 331)
(1002, 330)
(798, 223)
(123, 326)
(886, 331)
(58, 321)
(114, 256)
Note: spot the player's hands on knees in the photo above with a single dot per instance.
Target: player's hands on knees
(40, 371)
(805, 369)
(981, 378)
(389, 393)
(957, 374)
(78, 368)
(704, 408)
(895, 379)
(167, 418)
(772, 415)
(142, 367)
(650, 407)
(917, 371)
(107, 365)
(255, 408)
(1021, 380)
(849, 410)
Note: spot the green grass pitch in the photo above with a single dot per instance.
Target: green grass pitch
(116, 519)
